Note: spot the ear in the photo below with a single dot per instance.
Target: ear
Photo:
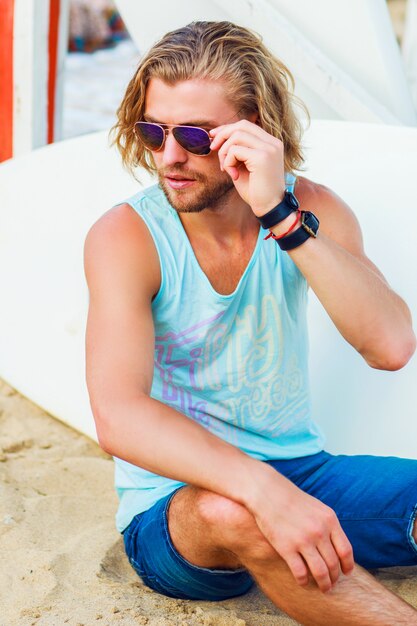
(254, 118)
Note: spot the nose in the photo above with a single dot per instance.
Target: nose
(172, 151)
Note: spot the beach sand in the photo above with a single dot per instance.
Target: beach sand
(61, 557)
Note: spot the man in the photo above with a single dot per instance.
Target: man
(197, 347)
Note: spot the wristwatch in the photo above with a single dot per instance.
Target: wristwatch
(288, 204)
(309, 228)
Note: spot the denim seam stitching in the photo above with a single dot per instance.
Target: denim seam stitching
(370, 519)
(410, 539)
(135, 563)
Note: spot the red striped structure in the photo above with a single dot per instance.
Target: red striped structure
(54, 8)
(33, 36)
(6, 79)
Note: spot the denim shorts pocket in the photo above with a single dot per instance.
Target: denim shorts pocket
(130, 537)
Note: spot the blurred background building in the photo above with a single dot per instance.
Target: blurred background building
(64, 64)
(102, 58)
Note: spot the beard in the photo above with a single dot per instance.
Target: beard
(212, 193)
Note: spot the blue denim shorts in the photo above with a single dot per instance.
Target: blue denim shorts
(375, 499)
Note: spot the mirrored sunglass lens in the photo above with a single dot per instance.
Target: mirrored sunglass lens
(195, 140)
(151, 135)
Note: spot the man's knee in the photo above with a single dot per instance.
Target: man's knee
(235, 524)
(219, 511)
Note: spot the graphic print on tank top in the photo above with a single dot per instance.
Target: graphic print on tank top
(255, 381)
(235, 363)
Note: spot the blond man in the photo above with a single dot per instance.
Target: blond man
(197, 347)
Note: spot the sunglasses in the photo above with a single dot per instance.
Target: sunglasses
(192, 138)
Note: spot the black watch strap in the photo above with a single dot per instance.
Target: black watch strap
(309, 228)
(288, 204)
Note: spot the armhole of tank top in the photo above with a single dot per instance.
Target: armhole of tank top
(158, 251)
(290, 185)
(294, 186)
(290, 181)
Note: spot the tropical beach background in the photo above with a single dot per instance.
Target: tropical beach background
(61, 558)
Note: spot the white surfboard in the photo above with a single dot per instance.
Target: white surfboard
(49, 199)
(373, 168)
(344, 55)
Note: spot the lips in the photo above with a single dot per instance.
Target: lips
(178, 181)
(177, 177)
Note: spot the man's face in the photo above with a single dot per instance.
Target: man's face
(191, 183)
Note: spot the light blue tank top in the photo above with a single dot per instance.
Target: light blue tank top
(236, 364)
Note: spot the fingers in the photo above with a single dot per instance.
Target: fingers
(333, 554)
(311, 562)
(298, 568)
(222, 133)
(235, 156)
(251, 158)
(240, 138)
(243, 140)
(344, 550)
(324, 558)
(331, 560)
(243, 134)
(322, 563)
(320, 570)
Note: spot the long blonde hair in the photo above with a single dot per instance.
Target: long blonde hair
(254, 79)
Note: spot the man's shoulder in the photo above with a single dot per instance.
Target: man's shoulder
(121, 218)
(322, 201)
(308, 191)
(337, 220)
(120, 232)
(119, 245)
(124, 217)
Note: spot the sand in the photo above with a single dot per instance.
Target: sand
(61, 557)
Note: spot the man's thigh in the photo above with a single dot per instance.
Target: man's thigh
(154, 556)
(374, 498)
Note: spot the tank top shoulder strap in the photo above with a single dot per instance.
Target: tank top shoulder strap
(290, 180)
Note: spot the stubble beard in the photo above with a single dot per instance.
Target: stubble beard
(212, 194)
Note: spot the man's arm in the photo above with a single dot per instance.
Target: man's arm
(366, 311)
(122, 271)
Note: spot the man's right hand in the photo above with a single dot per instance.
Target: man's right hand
(305, 532)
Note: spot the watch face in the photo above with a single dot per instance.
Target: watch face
(310, 223)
